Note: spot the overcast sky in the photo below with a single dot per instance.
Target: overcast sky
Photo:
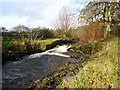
(33, 13)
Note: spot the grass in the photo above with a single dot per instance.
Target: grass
(100, 71)
(13, 50)
(43, 43)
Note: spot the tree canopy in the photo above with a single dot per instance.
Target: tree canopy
(105, 11)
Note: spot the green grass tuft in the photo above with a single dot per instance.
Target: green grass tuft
(101, 71)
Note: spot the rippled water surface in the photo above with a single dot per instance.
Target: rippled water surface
(34, 67)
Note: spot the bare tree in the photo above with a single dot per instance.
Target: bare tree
(21, 29)
(105, 11)
(65, 20)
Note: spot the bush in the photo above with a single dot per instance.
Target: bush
(115, 30)
(88, 48)
(13, 50)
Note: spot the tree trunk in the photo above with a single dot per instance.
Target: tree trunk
(108, 29)
(107, 18)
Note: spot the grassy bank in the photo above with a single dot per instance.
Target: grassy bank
(13, 50)
(101, 71)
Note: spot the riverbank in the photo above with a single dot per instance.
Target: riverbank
(35, 67)
(99, 71)
(59, 68)
(102, 70)
(14, 50)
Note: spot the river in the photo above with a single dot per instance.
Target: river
(34, 67)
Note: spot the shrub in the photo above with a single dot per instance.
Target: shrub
(88, 48)
(13, 50)
(115, 30)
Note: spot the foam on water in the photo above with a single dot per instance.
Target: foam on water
(55, 51)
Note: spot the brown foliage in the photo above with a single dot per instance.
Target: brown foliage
(95, 31)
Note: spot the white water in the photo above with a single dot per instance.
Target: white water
(34, 67)
(58, 51)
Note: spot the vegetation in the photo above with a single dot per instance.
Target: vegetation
(23, 32)
(21, 41)
(96, 42)
(107, 12)
(101, 71)
(87, 49)
(13, 50)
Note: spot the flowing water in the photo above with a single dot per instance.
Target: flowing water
(34, 67)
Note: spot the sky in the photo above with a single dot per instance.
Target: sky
(33, 13)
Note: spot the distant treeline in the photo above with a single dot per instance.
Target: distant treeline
(36, 33)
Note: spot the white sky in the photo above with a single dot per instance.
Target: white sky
(34, 13)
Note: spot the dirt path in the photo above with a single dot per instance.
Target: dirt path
(34, 67)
